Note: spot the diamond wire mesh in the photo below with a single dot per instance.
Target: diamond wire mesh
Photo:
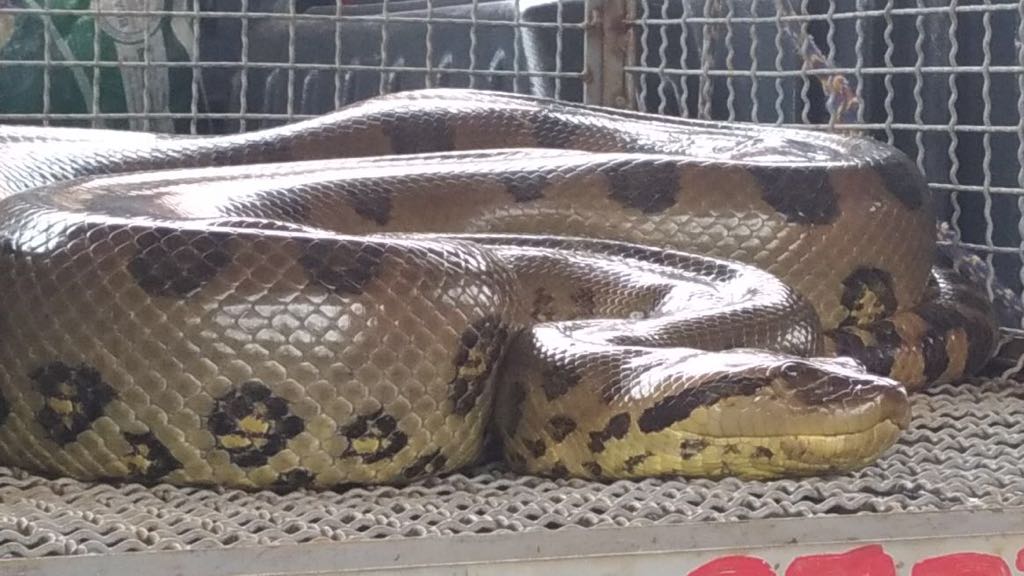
(938, 79)
(205, 66)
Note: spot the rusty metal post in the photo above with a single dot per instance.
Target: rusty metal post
(610, 46)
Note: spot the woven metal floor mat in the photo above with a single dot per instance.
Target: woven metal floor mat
(964, 451)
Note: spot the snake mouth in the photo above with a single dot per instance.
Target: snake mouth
(809, 398)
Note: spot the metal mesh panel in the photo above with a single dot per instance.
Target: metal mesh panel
(939, 79)
(229, 65)
(960, 454)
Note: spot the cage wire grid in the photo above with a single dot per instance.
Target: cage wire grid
(942, 80)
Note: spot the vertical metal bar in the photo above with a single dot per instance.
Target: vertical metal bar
(1020, 143)
(243, 90)
(193, 126)
(47, 57)
(730, 61)
(291, 59)
(610, 46)
(337, 54)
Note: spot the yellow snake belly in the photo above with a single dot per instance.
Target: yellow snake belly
(367, 296)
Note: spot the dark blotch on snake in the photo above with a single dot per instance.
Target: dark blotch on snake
(345, 270)
(633, 461)
(415, 134)
(877, 357)
(763, 452)
(934, 353)
(378, 426)
(560, 426)
(559, 470)
(650, 186)
(252, 401)
(425, 465)
(594, 469)
(74, 398)
(524, 186)
(585, 301)
(942, 318)
(802, 196)
(175, 263)
(536, 447)
(616, 428)
(904, 181)
(868, 285)
(691, 448)
(296, 478)
(149, 459)
(480, 348)
(678, 407)
(557, 383)
(516, 398)
(372, 204)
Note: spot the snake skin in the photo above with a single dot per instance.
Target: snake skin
(365, 297)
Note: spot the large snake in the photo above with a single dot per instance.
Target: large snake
(361, 297)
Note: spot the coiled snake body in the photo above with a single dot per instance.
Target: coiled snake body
(355, 298)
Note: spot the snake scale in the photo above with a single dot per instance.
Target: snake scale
(369, 296)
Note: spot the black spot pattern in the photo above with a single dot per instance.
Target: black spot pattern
(559, 427)
(868, 296)
(176, 263)
(559, 470)
(635, 460)
(935, 355)
(691, 448)
(524, 186)
(374, 437)
(585, 301)
(294, 479)
(678, 407)
(480, 348)
(252, 424)
(594, 469)
(879, 357)
(557, 383)
(149, 459)
(373, 204)
(73, 398)
(942, 317)
(536, 447)
(648, 186)
(418, 134)
(426, 465)
(904, 181)
(763, 452)
(345, 271)
(802, 196)
(517, 396)
(616, 428)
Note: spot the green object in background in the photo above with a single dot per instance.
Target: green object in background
(118, 89)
